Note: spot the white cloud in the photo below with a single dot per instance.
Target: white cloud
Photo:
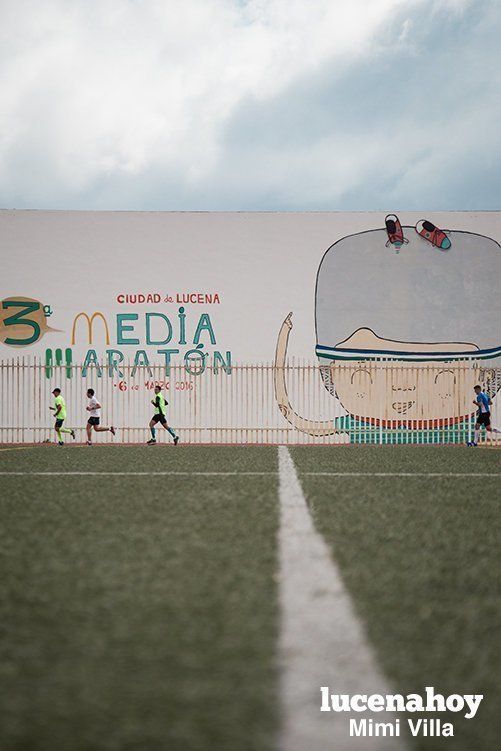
(137, 95)
(92, 89)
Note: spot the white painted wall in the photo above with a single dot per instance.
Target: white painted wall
(263, 265)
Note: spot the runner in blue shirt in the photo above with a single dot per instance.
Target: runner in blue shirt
(483, 403)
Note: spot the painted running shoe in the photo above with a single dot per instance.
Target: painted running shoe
(434, 235)
(395, 232)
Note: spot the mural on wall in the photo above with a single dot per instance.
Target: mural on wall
(406, 310)
(23, 321)
(423, 298)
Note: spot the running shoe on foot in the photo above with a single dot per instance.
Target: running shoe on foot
(176, 440)
(73, 434)
(472, 443)
(151, 442)
(113, 430)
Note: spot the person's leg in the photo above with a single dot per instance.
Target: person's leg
(171, 431)
(476, 433)
(88, 428)
(60, 429)
(490, 427)
(490, 430)
(152, 431)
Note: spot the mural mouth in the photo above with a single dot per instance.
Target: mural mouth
(402, 407)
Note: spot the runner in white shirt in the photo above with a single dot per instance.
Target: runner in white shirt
(94, 409)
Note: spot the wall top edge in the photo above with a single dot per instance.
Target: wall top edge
(393, 210)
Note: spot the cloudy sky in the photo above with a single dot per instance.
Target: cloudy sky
(258, 104)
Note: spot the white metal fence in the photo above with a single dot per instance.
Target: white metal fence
(360, 402)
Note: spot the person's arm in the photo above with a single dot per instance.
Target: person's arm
(58, 410)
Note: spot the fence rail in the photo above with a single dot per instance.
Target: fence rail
(300, 402)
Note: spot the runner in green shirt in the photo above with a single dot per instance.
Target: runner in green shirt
(159, 402)
(59, 410)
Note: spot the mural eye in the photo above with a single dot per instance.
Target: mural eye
(445, 382)
(445, 377)
(361, 377)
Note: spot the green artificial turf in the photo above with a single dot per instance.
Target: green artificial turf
(123, 458)
(396, 459)
(421, 558)
(138, 613)
(141, 612)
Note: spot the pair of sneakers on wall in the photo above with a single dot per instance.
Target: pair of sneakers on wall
(424, 228)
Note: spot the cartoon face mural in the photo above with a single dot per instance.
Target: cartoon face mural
(405, 329)
(422, 395)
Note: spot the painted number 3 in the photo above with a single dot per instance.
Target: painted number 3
(18, 319)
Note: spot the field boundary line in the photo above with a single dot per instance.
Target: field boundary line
(401, 474)
(153, 473)
(16, 448)
(236, 473)
(322, 642)
(106, 443)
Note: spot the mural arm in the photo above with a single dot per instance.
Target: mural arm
(311, 427)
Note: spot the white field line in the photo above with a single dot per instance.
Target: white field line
(141, 474)
(402, 474)
(16, 448)
(322, 642)
(168, 473)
